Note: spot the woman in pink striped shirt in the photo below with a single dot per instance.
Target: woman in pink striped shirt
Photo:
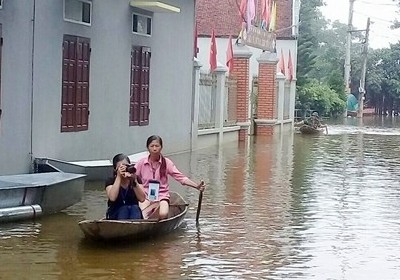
(154, 171)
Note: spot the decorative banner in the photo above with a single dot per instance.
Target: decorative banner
(259, 38)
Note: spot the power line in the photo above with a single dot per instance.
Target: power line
(378, 4)
(375, 18)
(385, 36)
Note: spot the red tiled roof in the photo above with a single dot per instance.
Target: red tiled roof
(223, 16)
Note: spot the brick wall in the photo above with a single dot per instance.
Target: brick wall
(241, 74)
(266, 105)
(266, 102)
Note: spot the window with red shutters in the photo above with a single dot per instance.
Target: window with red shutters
(139, 89)
(75, 84)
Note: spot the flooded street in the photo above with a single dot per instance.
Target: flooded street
(287, 207)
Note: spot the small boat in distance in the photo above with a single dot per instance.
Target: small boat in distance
(306, 129)
(136, 229)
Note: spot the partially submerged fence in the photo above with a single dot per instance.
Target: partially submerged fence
(230, 104)
(286, 110)
(207, 100)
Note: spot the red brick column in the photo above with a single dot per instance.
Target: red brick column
(242, 54)
(266, 100)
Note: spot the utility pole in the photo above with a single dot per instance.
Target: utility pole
(361, 90)
(347, 63)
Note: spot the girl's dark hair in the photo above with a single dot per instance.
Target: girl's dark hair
(163, 167)
(117, 158)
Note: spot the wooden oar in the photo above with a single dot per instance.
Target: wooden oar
(199, 207)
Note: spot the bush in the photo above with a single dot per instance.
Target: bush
(321, 98)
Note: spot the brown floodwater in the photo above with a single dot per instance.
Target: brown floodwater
(284, 207)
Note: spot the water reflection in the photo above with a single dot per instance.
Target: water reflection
(283, 207)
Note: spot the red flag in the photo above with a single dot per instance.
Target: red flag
(282, 63)
(196, 48)
(213, 53)
(229, 55)
(290, 67)
(265, 11)
(242, 8)
(251, 12)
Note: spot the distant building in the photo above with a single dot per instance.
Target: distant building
(225, 18)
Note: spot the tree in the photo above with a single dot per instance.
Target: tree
(383, 79)
(320, 61)
(311, 22)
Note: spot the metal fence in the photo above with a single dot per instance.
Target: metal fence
(207, 100)
(286, 103)
(230, 117)
(254, 97)
(286, 99)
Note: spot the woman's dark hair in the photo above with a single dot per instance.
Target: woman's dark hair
(118, 158)
(163, 167)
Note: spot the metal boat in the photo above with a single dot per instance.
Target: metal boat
(27, 196)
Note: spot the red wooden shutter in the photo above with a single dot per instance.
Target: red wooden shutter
(68, 84)
(82, 84)
(135, 86)
(144, 86)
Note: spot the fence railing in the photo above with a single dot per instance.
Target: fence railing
(207, 100)
(230, 103)
(286, 103)
(254, 96)
(216, 103)
(286, 99)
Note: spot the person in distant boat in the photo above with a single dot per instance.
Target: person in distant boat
(124, 191)
(313, 121)
(154, 170)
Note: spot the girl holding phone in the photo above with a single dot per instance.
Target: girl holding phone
(154, 171)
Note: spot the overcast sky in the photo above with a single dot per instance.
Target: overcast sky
(381, 12)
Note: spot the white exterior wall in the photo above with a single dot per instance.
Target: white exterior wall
(111, 39)
(15, 126)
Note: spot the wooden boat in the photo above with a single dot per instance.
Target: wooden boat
(306, 129)
(27, 196)
(136, 229)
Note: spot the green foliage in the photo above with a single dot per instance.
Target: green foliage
(336, 83)
(383, 76)
(320, 60)
(320, 97)
(311, 22)
(321, 56)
